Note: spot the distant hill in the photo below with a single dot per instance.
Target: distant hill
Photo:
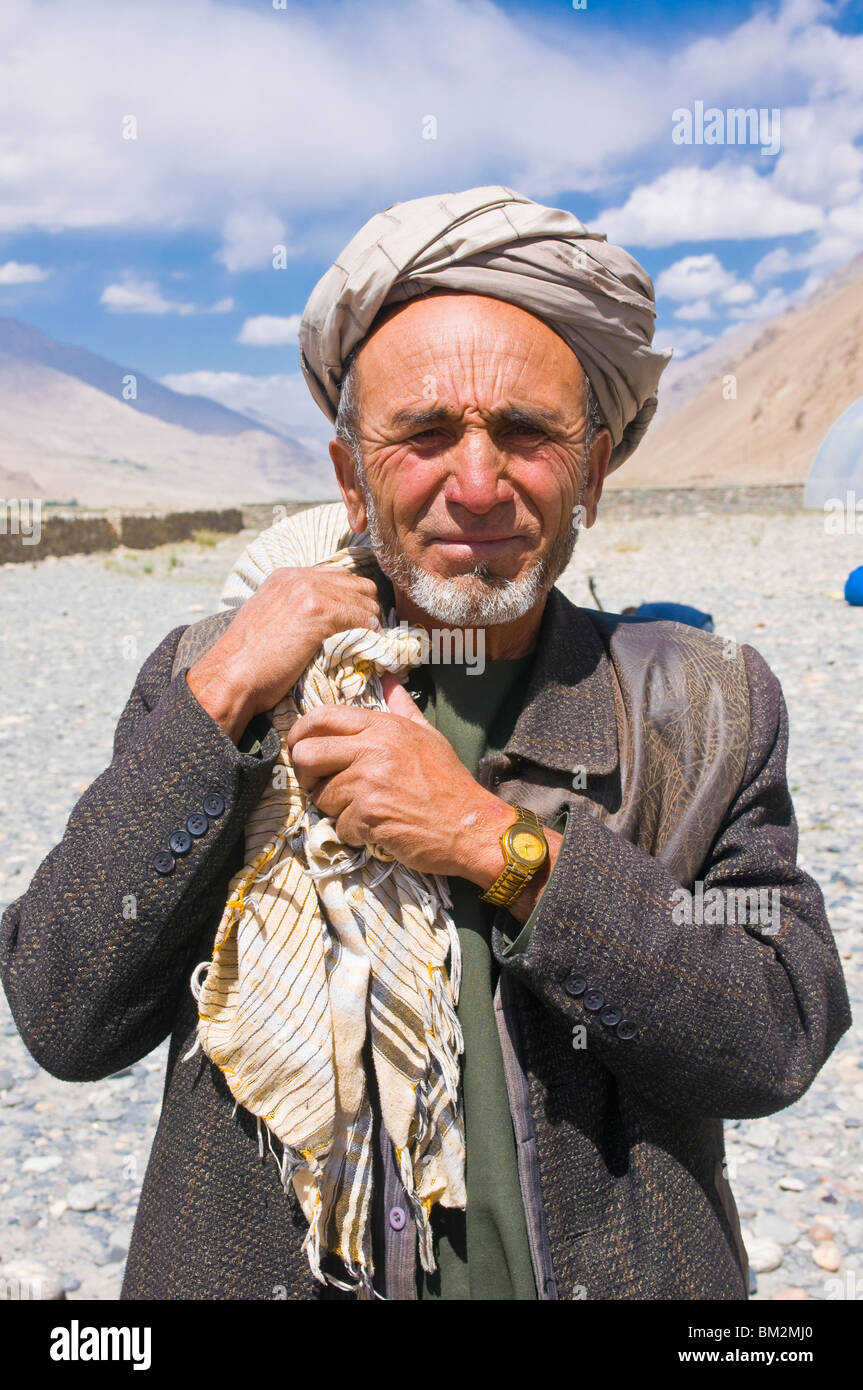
(23, 343)
(795, 375)
(685, 377)
(67, 433)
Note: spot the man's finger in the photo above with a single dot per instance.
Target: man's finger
(338, 720)
(314, 758)
(330, 796)
(399, 701)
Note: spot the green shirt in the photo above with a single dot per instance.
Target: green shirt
(483, 1252)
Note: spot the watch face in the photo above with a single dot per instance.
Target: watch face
(527, 845)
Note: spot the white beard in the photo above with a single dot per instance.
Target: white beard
(478, 598)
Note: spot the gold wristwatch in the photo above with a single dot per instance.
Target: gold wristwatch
(525, 850)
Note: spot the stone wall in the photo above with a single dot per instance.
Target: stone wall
(621, 503)
(67, 533)
(145, 532)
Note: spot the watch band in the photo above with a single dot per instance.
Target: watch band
(514, 877)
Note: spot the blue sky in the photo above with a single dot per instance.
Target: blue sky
(259, 124)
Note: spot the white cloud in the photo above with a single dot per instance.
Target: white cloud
(741, 292)
(841, 238)
(288, 112)
(698, 309)
(132, 295)
(751, 60)
(848, 221)
(252, 121)
(727, 201)
(819, 159)
(696, 281)
(135, 296)
(282, 400)
(17, 273)
(693, 277)
(251, 117)
(249, 237)
(683, 340)
(267, 330)
(775, 302)
(777, 262)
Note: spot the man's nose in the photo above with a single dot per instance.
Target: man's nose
(475, 478)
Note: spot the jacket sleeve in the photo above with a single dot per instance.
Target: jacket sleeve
(727, 1020)
(94, 955)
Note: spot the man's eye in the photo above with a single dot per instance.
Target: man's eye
(428, 436)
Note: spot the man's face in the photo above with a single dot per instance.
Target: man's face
(472, 430)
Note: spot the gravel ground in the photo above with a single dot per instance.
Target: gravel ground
(76, 632)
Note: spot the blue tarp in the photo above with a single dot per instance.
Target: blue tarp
(676, 613)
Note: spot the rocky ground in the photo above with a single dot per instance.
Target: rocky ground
(76, 630)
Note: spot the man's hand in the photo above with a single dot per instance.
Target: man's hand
(391, 781)
(274, 637)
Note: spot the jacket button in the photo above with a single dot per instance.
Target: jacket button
(575, 984)
(180, 842)
(214, 804)
(197, 824)
(626, 1029)
(610, 1016)
(593, 1001)
(397, 1218)
(163, 862)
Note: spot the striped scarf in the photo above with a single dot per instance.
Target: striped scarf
(322, 944)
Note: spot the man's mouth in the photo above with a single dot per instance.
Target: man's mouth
(475, 544)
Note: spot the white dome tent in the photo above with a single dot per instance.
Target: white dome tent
(837, 468)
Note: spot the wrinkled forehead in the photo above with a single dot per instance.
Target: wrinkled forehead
(443, 320)
(462, 307)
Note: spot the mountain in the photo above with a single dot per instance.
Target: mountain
(66, 432)
(838, 279)
(794, 377)
(22, 343)
(685, 377)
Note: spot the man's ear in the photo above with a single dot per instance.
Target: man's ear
(346, 475)
(595, 474)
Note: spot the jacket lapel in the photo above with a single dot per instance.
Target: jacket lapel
(568, 721)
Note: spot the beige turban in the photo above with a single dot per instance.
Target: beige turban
(496, 242)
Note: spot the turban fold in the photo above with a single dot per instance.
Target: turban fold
(495, 242)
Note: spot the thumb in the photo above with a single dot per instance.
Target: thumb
(399, 701)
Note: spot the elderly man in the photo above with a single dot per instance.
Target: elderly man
(447, 980)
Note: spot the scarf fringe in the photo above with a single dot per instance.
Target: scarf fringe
(425, 1246)
(289, 1164)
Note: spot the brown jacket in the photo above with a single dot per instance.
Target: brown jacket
(668, 747)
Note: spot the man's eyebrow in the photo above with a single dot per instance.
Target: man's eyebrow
(420, 419)
(521, 417)
(529, 417)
